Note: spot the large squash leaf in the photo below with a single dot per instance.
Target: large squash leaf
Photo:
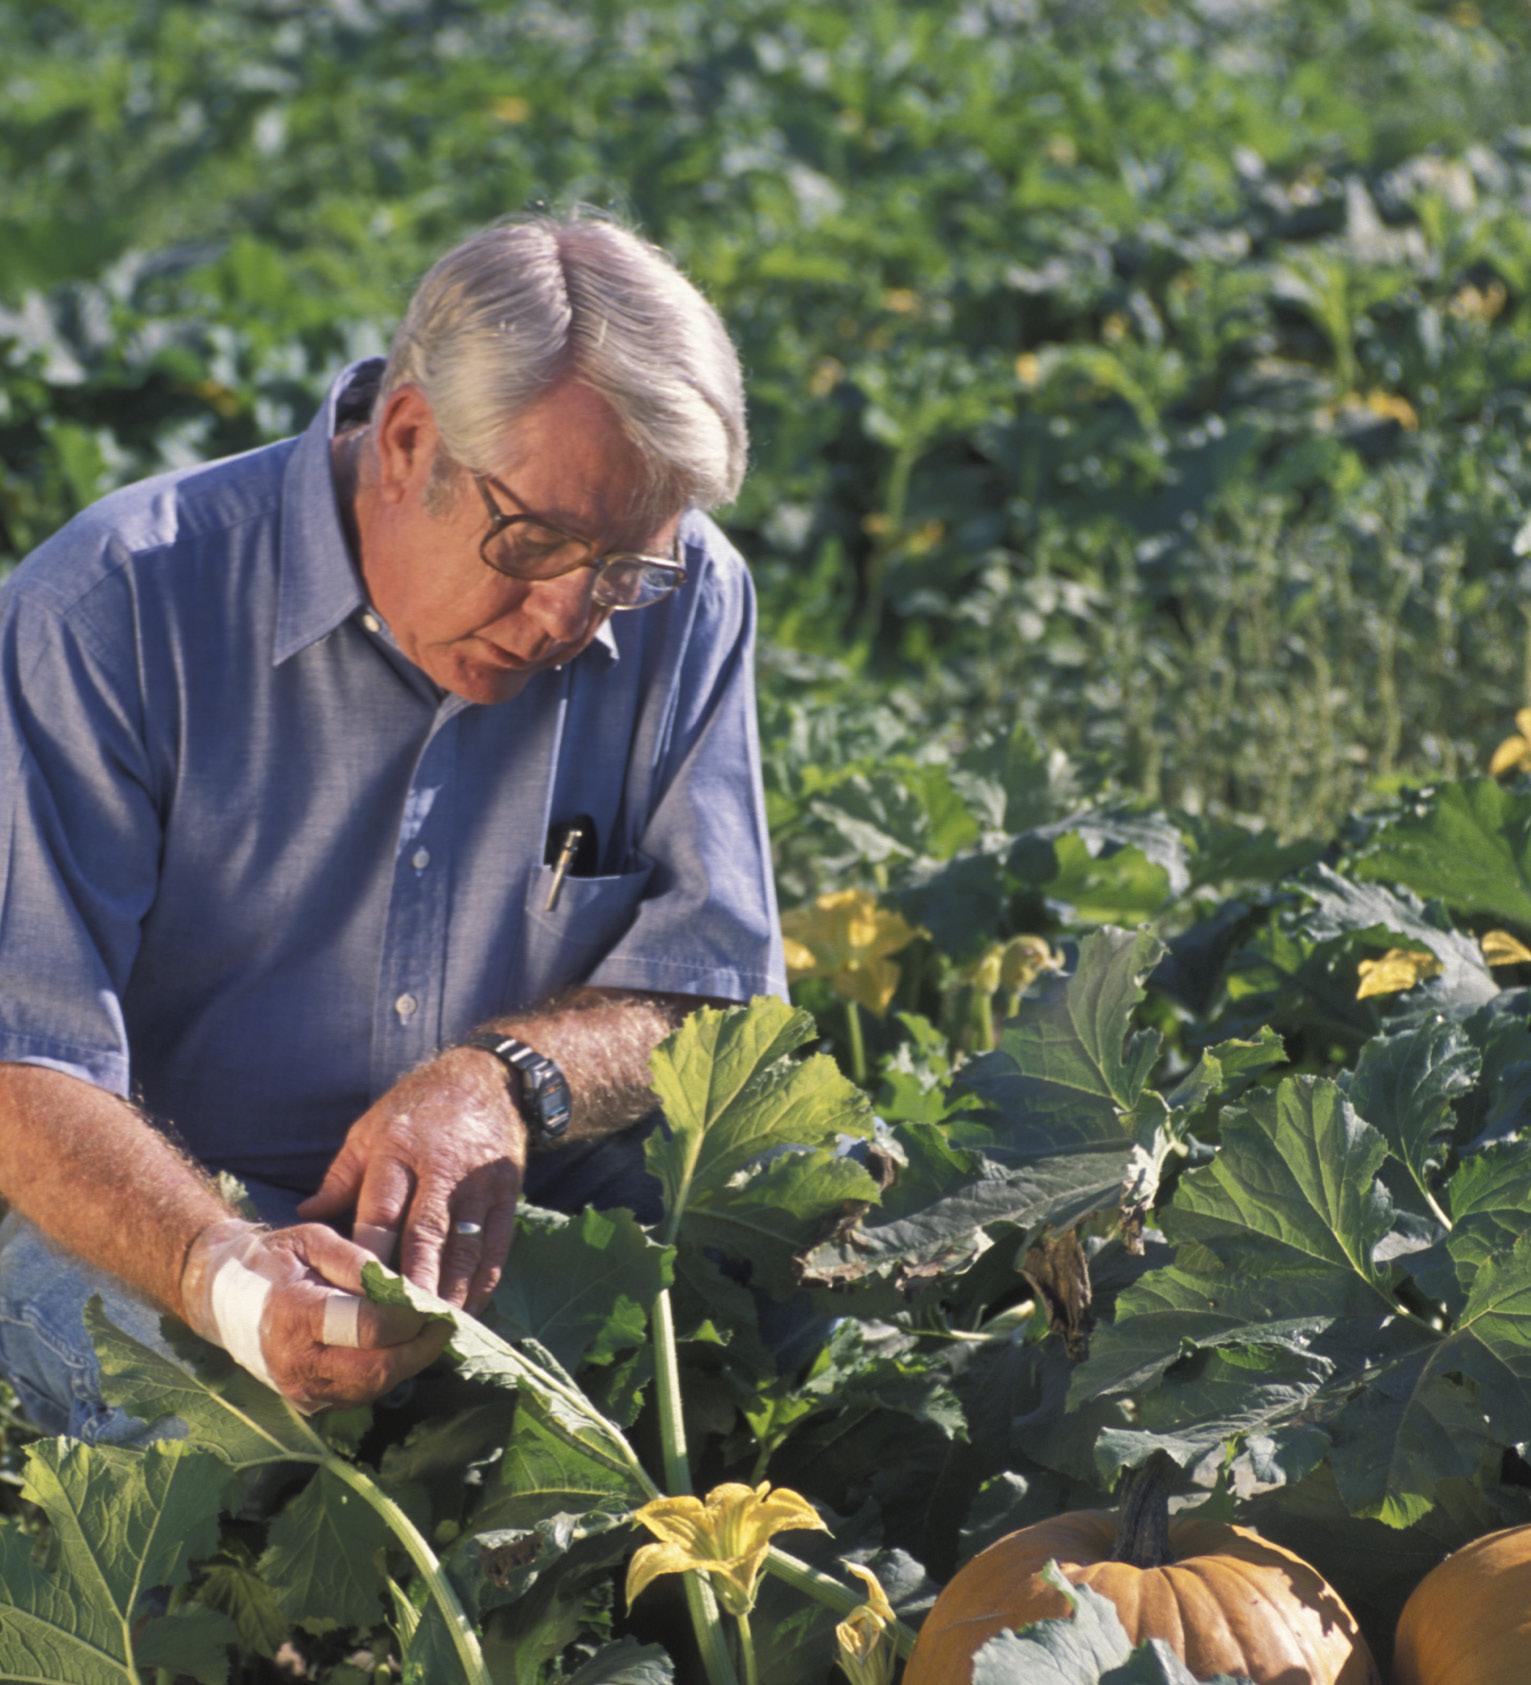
(751, 1166)
(542, 1386)
(1405, 1085)
(1278, 1269)
(581, 1286)
(1466, 844)
(1068, 1074)
(325, 1557)
(121, 1524)
(1072, 1126)
(224, 1409)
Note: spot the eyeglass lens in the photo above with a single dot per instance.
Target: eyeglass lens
(627, 582)
(530, 551)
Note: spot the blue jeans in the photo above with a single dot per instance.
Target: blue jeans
(46, 1354)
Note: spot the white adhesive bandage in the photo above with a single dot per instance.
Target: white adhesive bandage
(342, 1320)
(238, 1301)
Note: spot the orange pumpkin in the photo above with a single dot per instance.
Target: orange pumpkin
(1468, 1621)
(1226, 1600)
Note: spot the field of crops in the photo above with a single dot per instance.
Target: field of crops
(1141, 398)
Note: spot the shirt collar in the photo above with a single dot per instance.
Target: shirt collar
(320, 585)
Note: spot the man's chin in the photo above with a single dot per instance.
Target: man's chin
(484, 681)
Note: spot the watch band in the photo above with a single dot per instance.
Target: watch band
(536, 1084)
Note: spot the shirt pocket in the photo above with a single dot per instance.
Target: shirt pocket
(566, 942)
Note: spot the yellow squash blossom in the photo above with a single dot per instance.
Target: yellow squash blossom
(1514, 754)
(1479, 304)
(846, 937)
(867, 1656)
(1013, 965)
(1500, 948)
(726, 1537)
(1398, 969)
(1391, 407)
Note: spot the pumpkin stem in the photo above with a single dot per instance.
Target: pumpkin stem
(1143, 1514)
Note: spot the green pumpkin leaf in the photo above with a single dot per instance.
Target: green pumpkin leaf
(1489, 1199)
(1224, 1071)
(194, 1641)
(750, 1166)
(1220, 1398)
(121, 1524)
(1277, 1268)
(1404, 1086)
(429, 1657)
(232, 1585)
(1069, 1075)
(225, 1410)
(1467, 844)
(325, 1557)
(502, 1565)
(543, 1387)
(581, 1286)
(946, 1235)
(540, 1475)
(627, 1662)
(1342, 908)
(1071, 1128)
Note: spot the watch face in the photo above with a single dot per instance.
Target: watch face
(553, 1104)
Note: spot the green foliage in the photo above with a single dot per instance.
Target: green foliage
(1132, 504)
(121, 1525)
(749, 1167)
(1180, 412)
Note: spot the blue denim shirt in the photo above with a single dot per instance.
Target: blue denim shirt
(254, 865)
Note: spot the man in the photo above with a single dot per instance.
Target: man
(434, 723)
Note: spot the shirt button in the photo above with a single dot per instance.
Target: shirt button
(420, 859)
(372, 623)
(406, 1006)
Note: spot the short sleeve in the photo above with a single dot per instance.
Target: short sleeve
(707, 924)
(79, 841)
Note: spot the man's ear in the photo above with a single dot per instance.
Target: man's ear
(406, 436)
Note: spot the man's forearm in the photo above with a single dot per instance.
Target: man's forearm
(601, 1040)
(100, 1181)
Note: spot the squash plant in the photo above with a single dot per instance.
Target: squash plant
(1130, 1230)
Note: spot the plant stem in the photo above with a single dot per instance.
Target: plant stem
(1435, 1208)
(672, 1421)
(826, 1589)
(703, 1605)
(858, 1045)
(464, 1639)
(1143, 1515)
(747, 1651)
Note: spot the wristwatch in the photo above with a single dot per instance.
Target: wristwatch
(536, 1084)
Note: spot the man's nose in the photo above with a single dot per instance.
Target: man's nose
(561, 608)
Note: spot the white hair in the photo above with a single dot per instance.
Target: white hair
(504, 317)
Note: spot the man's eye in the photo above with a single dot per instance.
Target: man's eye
(536, 541)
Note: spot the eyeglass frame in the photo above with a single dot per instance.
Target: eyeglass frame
(499, 520)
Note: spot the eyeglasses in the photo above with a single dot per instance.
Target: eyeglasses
(524, 546)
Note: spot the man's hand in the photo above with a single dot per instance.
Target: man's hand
(288, 1306)
(444, 1146)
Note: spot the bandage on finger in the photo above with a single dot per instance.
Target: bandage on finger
(342, 1319)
